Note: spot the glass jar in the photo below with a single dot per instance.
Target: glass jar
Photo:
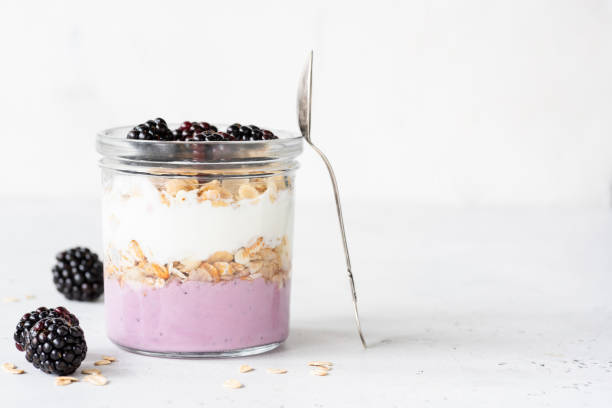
(197, 243)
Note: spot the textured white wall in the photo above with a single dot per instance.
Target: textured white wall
(464, 103)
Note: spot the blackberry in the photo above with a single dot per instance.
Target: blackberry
(226, 136)
(251, 132)
(189, 131)
(28, 321)
(268, 135)
(55, 347)
(156, 129)
(193, 130)
(78, 274)
(200, 132)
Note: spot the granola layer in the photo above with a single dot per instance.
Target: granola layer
(255, 261)
(221, 193)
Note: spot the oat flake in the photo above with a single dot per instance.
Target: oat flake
(277, 371)
(231, 383)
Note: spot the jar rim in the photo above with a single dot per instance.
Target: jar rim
(113, 144)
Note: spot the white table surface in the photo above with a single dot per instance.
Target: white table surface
(504, 308)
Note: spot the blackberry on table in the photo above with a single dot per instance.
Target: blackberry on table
(28, 321)
(78, 274)
(55, 347)
(156, 129)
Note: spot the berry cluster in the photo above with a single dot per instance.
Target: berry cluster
(157, 129)
(196, 132)
(250, 132)
(55, 347)
(28, 321)
(52, 340)
(78, 274)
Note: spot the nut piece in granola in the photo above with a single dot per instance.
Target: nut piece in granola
(210, 186)
(153, 269)
(272, 191)
(188, 264)
(173, 186)
(212, 195)
(269, 270)
(246, 191)
(257, 245)
(255, 266)
(200, 274)
(225, 270)
(137, 251)
(242, 256)
(212, 271)
(221, 256)
(239, 269)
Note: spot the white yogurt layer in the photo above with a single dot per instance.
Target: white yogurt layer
(188, 228)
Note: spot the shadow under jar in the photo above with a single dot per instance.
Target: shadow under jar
(197, 243)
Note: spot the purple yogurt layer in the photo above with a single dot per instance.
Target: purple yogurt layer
(197, 317)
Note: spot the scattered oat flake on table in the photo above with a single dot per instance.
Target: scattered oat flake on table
(109, 358)
(276, 371)
(10, 368)
(30, 297)
(91, 371)
(10, 299)
(231, 383)
(246, 368)
(320, 364)
(96, 379)
(63, 377)
(319, 372)
(102, 362)
(61, 381)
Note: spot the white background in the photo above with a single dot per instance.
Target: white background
(460, 103)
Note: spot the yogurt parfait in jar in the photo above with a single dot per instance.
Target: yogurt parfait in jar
(197, 234)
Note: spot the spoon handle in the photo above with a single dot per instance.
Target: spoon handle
(343, 233)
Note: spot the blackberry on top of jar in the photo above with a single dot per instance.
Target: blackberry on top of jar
(156, 129)
(194, 131)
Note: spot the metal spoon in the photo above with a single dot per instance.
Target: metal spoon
(304, 102)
